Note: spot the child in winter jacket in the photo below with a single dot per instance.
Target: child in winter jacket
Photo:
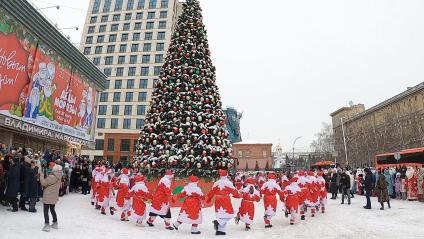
(398, 184)
(403, 188)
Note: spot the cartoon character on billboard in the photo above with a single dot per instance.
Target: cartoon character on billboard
(82, 110)
(33, 103)
(46, 105)
(89, 115)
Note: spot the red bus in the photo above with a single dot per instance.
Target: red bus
(408, 157)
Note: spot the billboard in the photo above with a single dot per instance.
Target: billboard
(39, 87)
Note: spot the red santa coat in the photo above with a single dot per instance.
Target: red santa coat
(411, 184)
(314, 193)
(191, 210)
(123, 196)
(103, 191)
(238, 184)
(303, 184)
(270, 189)
(247, 207)
(322, 188)
(222, 189)
(162, 196)
(292, 193)
(139, 194)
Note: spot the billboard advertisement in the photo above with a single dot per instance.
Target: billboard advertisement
(39, 87)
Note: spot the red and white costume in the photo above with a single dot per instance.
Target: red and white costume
(104, 188)
(261, 180)
(249, 196)
(161, 199)
(238, 183)
(270, 189)
(411, 184)
(95, 180)
(221, 190)
(123, 197)
(322, 191)
(139, 193)
(305, 196)
(191, 210)
(314, 193)
(292, 193)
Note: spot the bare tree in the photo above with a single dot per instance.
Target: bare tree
(324, 140)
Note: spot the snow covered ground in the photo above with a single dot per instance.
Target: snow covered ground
(77, 220)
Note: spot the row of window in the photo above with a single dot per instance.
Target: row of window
(128, 16)
(125, 27)
(129, 96)
(132, 71)
(124, 37)
(133, 59)
(128, 109)
(125, 145)
(160, 46)
(130, 5)
(126, 123)
(130, 84)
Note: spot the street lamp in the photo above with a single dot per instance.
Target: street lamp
(67, 28)
(344, 141)
(55, 6)
(294, 142)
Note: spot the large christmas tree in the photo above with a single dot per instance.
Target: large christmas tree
(185, 125)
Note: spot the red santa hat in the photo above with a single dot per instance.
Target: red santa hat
(251, 181)
(168, 172)
(223, 173)
(293, 180)
(193, 179)
(301, 173)
(125, 171)
(271, 176)
(139, 178)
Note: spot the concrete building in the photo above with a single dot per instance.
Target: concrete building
(233, 124)
(128, 41)
(392, 125)
(253, 156)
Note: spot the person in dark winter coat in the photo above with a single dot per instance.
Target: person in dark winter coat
(85, 178)
(2, 184)
(368, 186)
(345, 186)
(333, 185)
(13, 183)
(30, 183)
(75, 178)
(382, 191)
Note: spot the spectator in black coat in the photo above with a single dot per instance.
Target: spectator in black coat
(13, 183)
(345, 186)
(75, 178)
(85, 178)
(30, 183)
(368, 186)
(333, 185)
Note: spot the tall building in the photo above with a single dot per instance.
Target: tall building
(128, 41)
(233, 124)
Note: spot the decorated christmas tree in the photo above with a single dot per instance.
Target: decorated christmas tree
(185, 126)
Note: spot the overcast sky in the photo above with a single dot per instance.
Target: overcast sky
(287, 64)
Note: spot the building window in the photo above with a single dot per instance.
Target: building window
(119, 71)
(101, 123)
(130, 4)
(121, 59)
(152, 4)
(109, 60)
(139, 123)
(139, 16)
(150, 25)
(93, 19)
(129, 96)
(118, 84)
(107, 71)
(161, 35)
(110, 145)
(133, 59)
(142, 96)
(162, 25)
(144, 71)
(147, 47)
(102, 28)
(105, 18)
(107, 84)
(240, 154)
(124, 37)
(140, 4)
(104, 96)
(110, 49)
(160, 46)
(148, 36)
(96, 6)
(159, 58)
(164, 3)
(264, 154)
(116, 96)
(143, 84)
(100, 39)
(98, 50)
(96, 60)
(113, 123)
(123, 48)
(112, 38)
(145, 59)
(128, 110)
(125, 145)
(115, 109)
(116, 17)
(134, 47)
(130, 84)
(141, 109)
(114, 27)
(131, 71)
(156, 70)
(150, 15)
(87, 50)
(102, 109)
(99, 144)
(106, 7)
(126, 27)
(118, 5)
(126, 124)
(137, 26)
(91, 29)
(89, 40)
(163, 14)
(136, 36)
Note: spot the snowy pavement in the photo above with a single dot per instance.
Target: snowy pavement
(78, 220)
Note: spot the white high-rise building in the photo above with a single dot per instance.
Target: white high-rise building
(127, 40)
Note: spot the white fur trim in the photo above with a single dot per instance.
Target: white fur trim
(223, 183)
(183, 217)
(270, 185)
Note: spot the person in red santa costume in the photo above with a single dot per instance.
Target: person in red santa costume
(270, 189)
(322, 191)
(221, 190)
(314, 193)
(303, 183)
(95, 180)
(139, 194)
(238, 183)
(161, 199)
(249, 196)
(123, 197)
(411, 184)
(191, 210)
(261, 180)
(104, 191)
(292, 193)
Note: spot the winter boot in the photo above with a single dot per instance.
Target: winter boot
(237, 220)
(169, 228)
(382, 206)
(247, 228)
(219, 233)
(215, 225)
(196, 233)
(46, 227)
(286, 213)
(313, 212)
(302, 217)
(291, 221)
(123, 217)
(388, 204)
(323, 209)
(98, 207)
(55, 226)
(103, 211)
(268, 226)
(112, 210)
(150, 223)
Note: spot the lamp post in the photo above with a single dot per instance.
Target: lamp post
(55, 6)
(68, 28)
(294, 142)
(344, 141)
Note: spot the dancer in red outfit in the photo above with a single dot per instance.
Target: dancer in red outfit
(249, 196)
(221, 190)
(95, 180)
(191, 211)
(322, 191)
(270, 189)
(305, 195)
(104, 188)
(313, 200)
(292, 193)
(123, 196)
(160, 202)
(139, 193)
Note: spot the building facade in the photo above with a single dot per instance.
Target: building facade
(253, 156)
(53, 97)
(128, 41)
(233, 124)
(393, 125)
